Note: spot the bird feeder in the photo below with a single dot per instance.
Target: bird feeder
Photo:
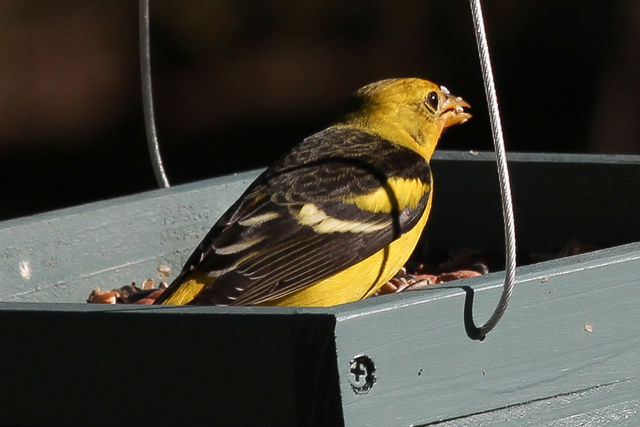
(566, 350)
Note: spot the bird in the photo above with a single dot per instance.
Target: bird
(337, 216)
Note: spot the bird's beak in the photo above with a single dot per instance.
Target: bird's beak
(453, 109)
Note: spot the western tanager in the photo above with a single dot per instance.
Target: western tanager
(337, 216)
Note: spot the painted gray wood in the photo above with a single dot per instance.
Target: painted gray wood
(219, 364)
(81, 364)
(540, 365)
(61, 256)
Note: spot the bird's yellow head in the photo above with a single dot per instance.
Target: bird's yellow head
(411, 112)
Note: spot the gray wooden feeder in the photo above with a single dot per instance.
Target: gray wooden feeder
(566, 352)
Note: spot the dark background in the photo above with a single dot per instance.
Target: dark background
(238, 82)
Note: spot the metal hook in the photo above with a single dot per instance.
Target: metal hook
(473, 331)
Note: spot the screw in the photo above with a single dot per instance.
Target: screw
(361, 374)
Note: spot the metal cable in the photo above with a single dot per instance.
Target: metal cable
(503, 175)
(147, 95)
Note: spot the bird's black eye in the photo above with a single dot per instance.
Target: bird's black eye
(432, 100)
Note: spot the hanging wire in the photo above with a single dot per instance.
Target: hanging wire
(147, 95)
(503, 175)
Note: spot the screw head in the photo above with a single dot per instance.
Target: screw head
(361, 374)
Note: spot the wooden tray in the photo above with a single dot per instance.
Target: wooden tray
(566, 351)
